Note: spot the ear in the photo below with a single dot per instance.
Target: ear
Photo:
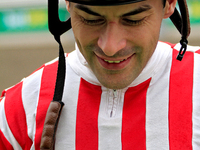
(169, 8)
(67, 5)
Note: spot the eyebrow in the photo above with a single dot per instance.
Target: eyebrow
(138, 10)
(134, 12)
(87, 10)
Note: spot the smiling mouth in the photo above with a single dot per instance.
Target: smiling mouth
(115, 62)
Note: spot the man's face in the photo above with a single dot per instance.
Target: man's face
(117, 41)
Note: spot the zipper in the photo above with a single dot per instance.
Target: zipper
(113, 103)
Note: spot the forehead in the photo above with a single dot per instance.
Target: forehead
(138, 7)
(105, 2)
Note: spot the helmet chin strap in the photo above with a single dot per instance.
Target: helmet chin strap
(60, 80)
(182, 23)
(57, 28)
(56, 105)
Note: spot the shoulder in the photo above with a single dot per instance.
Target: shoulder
(192, 51)
(43, 76)
(40, 84)
(177, 46)
(23, 106)
(41, 81)
(33, 83)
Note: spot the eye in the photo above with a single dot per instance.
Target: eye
(93, 22)
(132, 22)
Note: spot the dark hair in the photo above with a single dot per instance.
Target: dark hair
(164, 2)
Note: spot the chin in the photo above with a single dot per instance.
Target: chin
(115, 86)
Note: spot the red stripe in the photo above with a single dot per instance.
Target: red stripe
(4, 144)
(3, 93)
(87, 116)
(134, 117)
(180, 102)
(46, 96)
(198, 52)
(15, 115)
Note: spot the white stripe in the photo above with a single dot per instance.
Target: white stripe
(157, 106)
(5, 128)
(66, 131)
(30, 97)
(196, 104)
(110, 127)
(189, 48)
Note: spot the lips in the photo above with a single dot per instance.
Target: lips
(112, 61)
(114, 64)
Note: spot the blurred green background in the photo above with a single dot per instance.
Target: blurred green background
(26, 43)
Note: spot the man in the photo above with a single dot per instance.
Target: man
(123, 89)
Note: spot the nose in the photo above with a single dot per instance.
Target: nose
(112, 39)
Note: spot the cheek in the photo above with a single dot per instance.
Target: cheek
(148, 36)
(84, 35)
(86, 51)
(77, 28)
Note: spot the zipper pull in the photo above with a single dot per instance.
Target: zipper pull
(115, 93)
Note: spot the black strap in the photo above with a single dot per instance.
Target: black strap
(57, 28)
(55, 107)
(60, 80)
(182, 23)
(177, 20)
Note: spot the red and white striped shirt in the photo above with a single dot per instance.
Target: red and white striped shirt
(160, 110)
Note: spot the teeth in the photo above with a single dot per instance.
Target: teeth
(110, 61)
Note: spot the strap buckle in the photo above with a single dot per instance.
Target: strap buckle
(183, 49)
